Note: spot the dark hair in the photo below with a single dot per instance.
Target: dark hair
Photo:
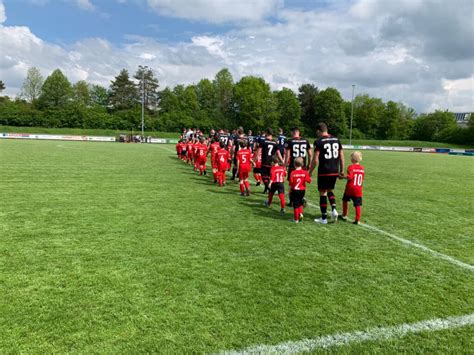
(243, 143)
(221, 144)
(269, 131)
(322, 127)
(275, 160)
(294, 129)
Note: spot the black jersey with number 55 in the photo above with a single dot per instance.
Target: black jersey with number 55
(330, 150)
(297, 147)
(269, 148)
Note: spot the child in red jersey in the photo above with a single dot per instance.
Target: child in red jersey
(277, 179)
(244, 158)
(355, 178)
(298, 180)
(195, 154)
(189, 149)
(257, 159)
(213, 148)
(178, 149)
(182, 145)
(202, 156)
(223, 158)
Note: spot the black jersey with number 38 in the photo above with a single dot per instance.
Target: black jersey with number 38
(269, 148)
(329, 149)
(297, 147)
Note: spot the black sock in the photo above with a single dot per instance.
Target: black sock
(323, 205)
(332, 200)
(234, 171)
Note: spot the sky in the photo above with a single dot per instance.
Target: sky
(419, 52)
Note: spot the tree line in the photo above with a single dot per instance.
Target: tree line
(221, 102)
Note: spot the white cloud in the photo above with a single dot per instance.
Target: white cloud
(326, 47)
(85, 5)
(217, 11)
(3, 15)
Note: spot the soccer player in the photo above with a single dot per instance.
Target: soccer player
(298, 180)
(189, 149)
(244, 159)
(281, 139)
(257, 160)
(195, 153)
(296, 147)
(355, 178)
(329, 158)
(267, 148)
(222, 158)
(277, 180)
(251, 139)
(202, 156)
(224, 137)
(236, 138)
(213, 149)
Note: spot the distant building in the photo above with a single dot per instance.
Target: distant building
(462, 118)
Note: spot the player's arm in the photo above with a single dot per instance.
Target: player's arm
(341, 162)
(280, 158)
(287, 156)
(314, 162)
(310, 152)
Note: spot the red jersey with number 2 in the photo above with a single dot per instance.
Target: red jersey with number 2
(298, 179)
(355, 179)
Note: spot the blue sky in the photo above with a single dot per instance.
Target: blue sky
(413, 51)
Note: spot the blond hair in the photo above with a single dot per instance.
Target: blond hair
(356, 156)
(299, 162)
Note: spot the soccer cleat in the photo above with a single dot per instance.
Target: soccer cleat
(356, 222)
(282, 211)
(334, 215)
(343, 218)
(294, 221)
(247, 193)
(205, 172)
(242, 194)
(266, 203)
(258, 183)
(305, 203)
(301, 217)
(321, 221)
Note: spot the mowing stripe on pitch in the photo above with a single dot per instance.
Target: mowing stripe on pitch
(373, 334)
(403, 240)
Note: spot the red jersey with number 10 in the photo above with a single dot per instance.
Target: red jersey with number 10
(355, 179)
(298, 179)
(277, 173)
(244, 156)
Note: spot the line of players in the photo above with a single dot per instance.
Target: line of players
(268, 158)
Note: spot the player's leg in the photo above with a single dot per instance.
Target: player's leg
(245, 176)
(241, 183)
(358, 208)
(281, 196)
(234, 169)
(345, 207)
(323, 200)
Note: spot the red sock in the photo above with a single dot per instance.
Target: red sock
(247, 186)
(255, 176)
(301, 210)
(344, 208)
(282, 200)
(241, 187)
(358, 213)
(296, 214)
(219, 178)
(201, 170)
(270, 199)
(224, 177)
(215, 175)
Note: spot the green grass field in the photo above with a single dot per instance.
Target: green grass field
(113, 248)
(174, 135)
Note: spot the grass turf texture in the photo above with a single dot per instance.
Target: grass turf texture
(174, 135)
(122, 248)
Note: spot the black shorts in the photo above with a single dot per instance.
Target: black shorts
(257, 170)
(183, 153)
(235, 162)
(277, 186)
(356, 200)
(265, 171)
(327, 182)
(297, 197)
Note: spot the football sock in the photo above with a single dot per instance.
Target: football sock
(201, 170)
(282, 200)
(270, 198)
(246, 184)
(323, 205)
(241, 184)
(345, 208)
(358, 213)
(296, 213)
(234, 171)
(332, 200)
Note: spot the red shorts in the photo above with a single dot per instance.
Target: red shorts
(202, 161)
(243, 175)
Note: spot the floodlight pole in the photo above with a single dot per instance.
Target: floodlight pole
(143, 68)
(352, 114)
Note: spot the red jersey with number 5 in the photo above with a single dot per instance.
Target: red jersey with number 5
(298, 179)
(244, 156)
(355, 179)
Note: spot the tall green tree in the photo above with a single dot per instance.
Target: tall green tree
(224, 89)
(148, 85)
(427, 127)
(81, 94)
(306, 96)
(56, 91)
(255, 104)
(99, 96)
(168, 101)
(123, 92)
(2, 86)
(368, 112)
(289, 109)
(329, 108)
(31, 88)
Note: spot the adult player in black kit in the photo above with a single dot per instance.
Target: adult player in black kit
(268, 148)
(296, 147)
(329, 158)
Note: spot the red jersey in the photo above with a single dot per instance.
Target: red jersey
(178, 148)
(214, 147)
(277, 173)
(244, 156)
(189, 147)
(258, 158)
(298, 179)
(195, 148)
(355, 178)
(202, 152)
(183, 146)
(222, 158)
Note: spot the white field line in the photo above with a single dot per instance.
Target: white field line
(402, 240)
(373, 334)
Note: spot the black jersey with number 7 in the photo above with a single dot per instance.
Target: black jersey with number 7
(269, 148)
(329, 149)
